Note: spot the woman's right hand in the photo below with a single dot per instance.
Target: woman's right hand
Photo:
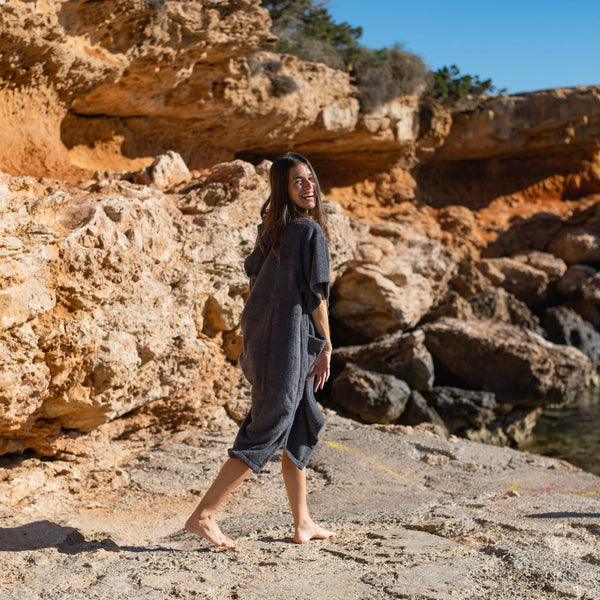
(320, 369)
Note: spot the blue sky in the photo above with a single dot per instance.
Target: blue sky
(521, 45)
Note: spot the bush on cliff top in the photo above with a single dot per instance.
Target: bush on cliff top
(457, 90)
(382, 75)
(306, 29)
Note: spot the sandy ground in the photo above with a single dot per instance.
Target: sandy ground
(418, 516)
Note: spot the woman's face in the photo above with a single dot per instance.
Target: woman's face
(302, 188)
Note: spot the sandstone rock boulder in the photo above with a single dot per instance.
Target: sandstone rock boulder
(525, 282)
(497, 304)
(454, 305)
(400, 354)
(577, 247)
(168, 170)
(418, 411)
(462, 409)
(574, 281)
(374, 397)
(469, 280)
(369, 304)
(517, 365)
(397, 276)
(565, 326)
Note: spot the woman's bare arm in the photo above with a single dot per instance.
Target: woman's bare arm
(320, 369)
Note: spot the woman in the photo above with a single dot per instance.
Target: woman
(287, 348)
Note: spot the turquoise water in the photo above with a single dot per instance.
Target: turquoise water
(571, 433)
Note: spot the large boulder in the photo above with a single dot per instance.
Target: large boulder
(397, 276)
(575, 281)
(497, 304)
(374, 397)
(369, 303)
(527, 283)
(462, 409)
(579, 246)
(418, 411)
(564, 326)
(401, 354)
(111, 301)
(518, 365)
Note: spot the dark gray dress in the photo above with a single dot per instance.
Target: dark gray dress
(280, 345)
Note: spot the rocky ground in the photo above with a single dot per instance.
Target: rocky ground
(418, 516)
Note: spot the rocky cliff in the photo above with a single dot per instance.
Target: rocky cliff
(459, 240)
(110, 85)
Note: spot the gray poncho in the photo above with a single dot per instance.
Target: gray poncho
(280, 345)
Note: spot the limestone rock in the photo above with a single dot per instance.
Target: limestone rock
(419, 411)
(369, 304)
(454, 305)
(469, 280)
(401, 354)
(573, 282)
(517, 365)
(497, 304)
(397, 276)
(340, 238)
(577, 247)
(527, 283)
(374, 397)
(461, 409)
(553, 266)
(168, 170)
(565, 326)
(426, 256)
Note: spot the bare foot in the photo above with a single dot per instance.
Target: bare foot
(209, 530)
(310, 531)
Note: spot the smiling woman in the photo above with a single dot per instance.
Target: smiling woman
(302, 188)
(287, 348)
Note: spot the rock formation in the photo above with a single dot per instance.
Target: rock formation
(454, 236)
(114, 298)
(111, 85)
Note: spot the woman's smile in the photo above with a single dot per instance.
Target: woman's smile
(302, 187)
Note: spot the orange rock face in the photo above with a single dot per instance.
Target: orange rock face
(122, 294)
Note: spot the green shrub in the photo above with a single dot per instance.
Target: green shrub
(382, 75)
(306, 29)
(281, 85)
(460, 91)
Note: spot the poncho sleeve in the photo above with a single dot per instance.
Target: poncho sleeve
(315, 269)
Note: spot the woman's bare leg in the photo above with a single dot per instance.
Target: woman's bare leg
(295, 485)
(202, 520)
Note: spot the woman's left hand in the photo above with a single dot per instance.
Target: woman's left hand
(320, 370)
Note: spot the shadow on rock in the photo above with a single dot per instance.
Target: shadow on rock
(67, 540)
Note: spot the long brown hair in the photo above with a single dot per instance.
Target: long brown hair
(279, 209)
